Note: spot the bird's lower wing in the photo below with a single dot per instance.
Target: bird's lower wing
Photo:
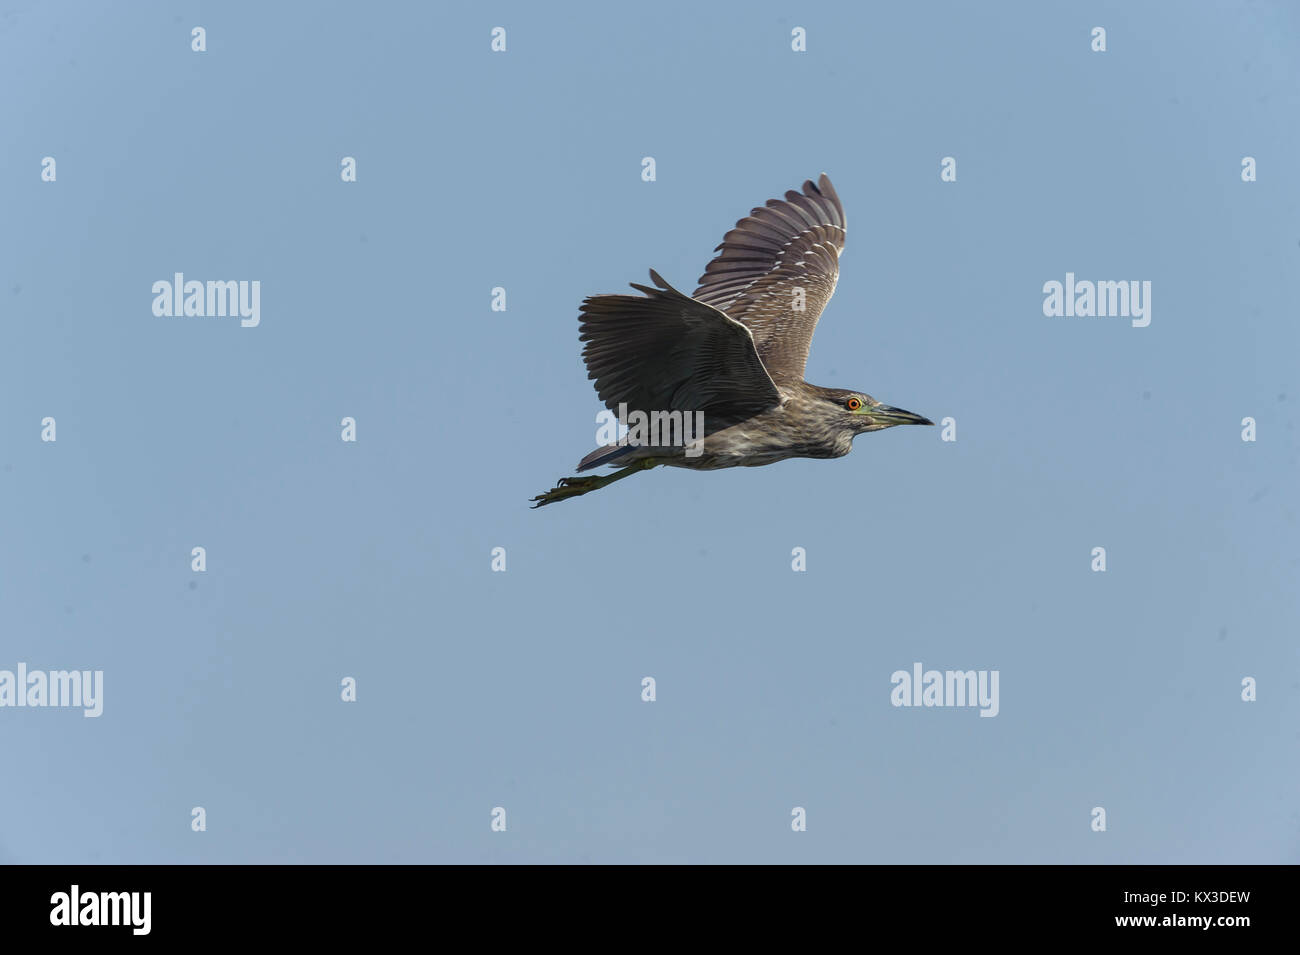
(664, 351)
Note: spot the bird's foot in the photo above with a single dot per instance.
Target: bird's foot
(568, 487)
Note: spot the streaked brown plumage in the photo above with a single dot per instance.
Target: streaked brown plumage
(735, 350)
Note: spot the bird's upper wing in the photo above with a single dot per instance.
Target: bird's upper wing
(662, 351)
(790, 244)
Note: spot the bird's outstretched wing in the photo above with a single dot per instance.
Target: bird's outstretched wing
(662, 351)
(776, 270)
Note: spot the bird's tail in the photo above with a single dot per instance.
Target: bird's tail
(609, 454)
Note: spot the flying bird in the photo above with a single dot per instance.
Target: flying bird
(731, 356)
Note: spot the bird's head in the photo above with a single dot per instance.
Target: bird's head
(858, 412)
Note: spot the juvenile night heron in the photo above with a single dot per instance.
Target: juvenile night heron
(733, 352)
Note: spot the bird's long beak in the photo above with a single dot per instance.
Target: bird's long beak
(893, 416)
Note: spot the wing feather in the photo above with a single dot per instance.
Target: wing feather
(663, 351)
(784, 246)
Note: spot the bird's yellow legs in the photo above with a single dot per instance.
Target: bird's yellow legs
(577, 486)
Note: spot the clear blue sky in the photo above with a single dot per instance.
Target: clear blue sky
(522, 689)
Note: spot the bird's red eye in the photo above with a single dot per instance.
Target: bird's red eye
(854, 403)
